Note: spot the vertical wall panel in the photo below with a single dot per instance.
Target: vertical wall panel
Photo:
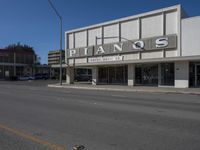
(70, 40)
(130, 30)
(111, 31)
(191, 36)
(152, 26)
(171, 22)
(80, 39)
(92, 34)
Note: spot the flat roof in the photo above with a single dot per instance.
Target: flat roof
(125, 18)
(55, 51)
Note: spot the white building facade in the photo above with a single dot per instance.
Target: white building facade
(157, 48)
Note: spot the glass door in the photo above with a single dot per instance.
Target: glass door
(146, 74)
(197, 75)
(167, 74)
(113, 75)
(103, 75)
(150, 75)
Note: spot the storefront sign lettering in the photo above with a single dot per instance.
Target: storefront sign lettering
(100, 50)
(162, 42)
(165, 42)
(105, 59)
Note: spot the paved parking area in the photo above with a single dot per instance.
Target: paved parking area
(97, 119)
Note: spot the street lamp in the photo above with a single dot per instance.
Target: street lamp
(60, 17)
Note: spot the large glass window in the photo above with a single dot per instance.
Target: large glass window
(146, 74)
(103, 75)
(194, 74)
(167, 74)
(138, 75)
(83, 74)
(197, 78)
(112, 75)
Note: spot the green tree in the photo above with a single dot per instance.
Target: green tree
(20, 47)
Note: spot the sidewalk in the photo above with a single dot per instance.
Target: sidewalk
(86, 86)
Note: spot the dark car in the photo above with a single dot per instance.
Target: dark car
(83, 77)
(41, 76)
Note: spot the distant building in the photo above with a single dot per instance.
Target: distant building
(81, 74)
(42, 69)
(54, 63)
(54, 57)
(17, 63)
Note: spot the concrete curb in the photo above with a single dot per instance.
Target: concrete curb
(125, 90)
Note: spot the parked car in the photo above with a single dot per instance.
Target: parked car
(38, 76)
(23, 78)
(41, 76)
(83, 77)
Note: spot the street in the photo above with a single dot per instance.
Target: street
(35, 117)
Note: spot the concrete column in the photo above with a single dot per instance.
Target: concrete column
(94, 75)
(182, 74)
(69, 75)
(131, 74)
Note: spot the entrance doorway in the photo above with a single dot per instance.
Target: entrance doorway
(146, 74)
(113, 75)
(167, 74)
(197, 75)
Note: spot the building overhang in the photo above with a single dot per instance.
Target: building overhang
(11, 64)
(154, 60)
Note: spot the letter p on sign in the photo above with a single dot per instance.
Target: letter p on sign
(72, 52)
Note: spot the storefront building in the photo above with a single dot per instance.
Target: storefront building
(157, 48)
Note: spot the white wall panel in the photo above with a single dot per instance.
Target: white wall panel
(92, 34)
(130, 30)
(80, 39)
(182, 74)
(131, 56)
(171, 53)
(191, 36)
(111, 31)
(149, 55)
(152, 26)
(80, 60)
(171, 22)
(71, 41)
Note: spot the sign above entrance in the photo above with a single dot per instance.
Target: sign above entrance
(147, 44)
(105, 59)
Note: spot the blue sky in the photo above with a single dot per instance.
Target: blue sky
(33, 22)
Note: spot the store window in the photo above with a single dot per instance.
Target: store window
(113, 75)
(146, 74)
(194, 74)
(167, 74)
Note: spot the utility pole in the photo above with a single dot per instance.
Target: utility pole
(60, 17)
(14, 63)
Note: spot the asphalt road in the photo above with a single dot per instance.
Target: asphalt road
(35, 117)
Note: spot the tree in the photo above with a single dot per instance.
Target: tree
(20, 47)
